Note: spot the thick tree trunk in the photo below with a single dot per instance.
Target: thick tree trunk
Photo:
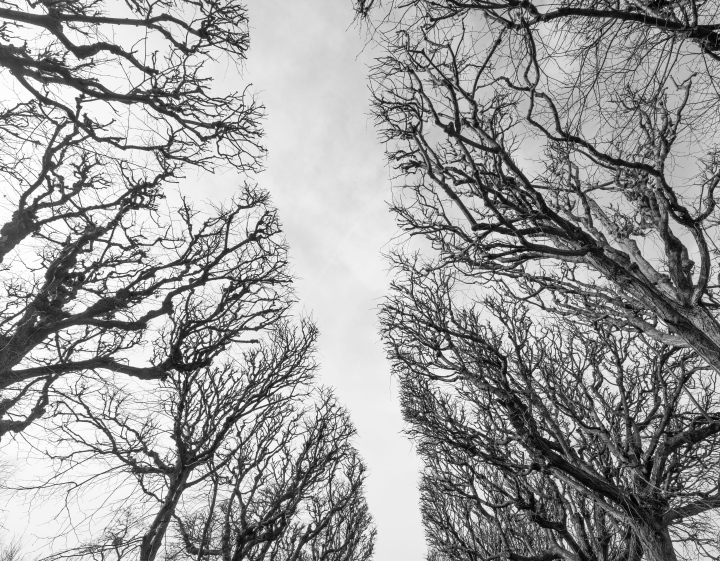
(657, 544)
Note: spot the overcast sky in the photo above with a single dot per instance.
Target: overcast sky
(327, 174)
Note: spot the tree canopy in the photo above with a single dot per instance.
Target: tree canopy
(105, 105)
(150, 361)
(554, 316)
(569, 147)
(550, 441)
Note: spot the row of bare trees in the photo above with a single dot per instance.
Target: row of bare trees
(150, 363)
(549, 441)
(554, 321)
(241, 460)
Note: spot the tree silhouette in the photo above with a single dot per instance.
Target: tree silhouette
(239, 461)
(552, 441)
(147, 347)
(104, 105)
(567, 148)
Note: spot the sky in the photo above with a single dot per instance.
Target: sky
(327, 174)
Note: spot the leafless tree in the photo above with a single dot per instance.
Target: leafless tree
(552, 440)
(146, 347)
(103, 83)
(11, 551)
(138, 295)
(104, 104)
(295, 496)
(473, 512)
(568, 148)
(241, 461)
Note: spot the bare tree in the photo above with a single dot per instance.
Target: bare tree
(12, 550)
(553, 440)
(103, 104)
(568, 148)
(473, 511)
(109, 298)
(295, 494)
(241, 461)
(113, 82)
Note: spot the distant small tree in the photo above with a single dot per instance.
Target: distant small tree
(553, 440)
(11, 551)
(566, 148)
(137, 295)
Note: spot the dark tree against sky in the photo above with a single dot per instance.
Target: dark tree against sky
(243, 460)
(545, 440)
(134, 292)
(104, 106)
(148, 349)
(569, 147)
(554, 318)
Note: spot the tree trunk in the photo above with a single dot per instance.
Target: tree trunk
(657, 543)
(153, 538)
